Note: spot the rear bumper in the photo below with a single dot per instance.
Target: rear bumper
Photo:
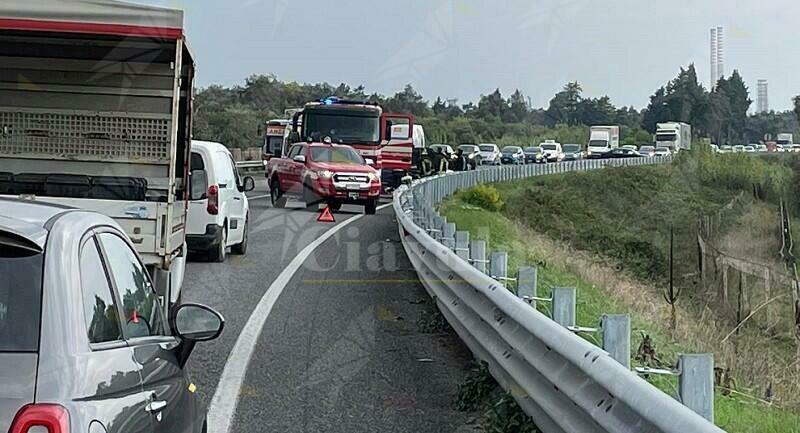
(206, 240)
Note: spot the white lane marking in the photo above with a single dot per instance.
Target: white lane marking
(257, 197)
(222, 409)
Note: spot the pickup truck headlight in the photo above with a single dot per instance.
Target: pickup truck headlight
(372, 177)
(325, 174)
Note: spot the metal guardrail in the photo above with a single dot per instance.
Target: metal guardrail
(250, 165)
(565, 383)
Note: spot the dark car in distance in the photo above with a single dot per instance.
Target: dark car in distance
(572, 152)
(622, 152)
(512, 155)
(472, 153)
(85, 345)
(534, 155)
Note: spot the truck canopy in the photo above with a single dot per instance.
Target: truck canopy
(107, 17)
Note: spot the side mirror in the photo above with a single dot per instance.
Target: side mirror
(407, 180)
(196, 322)
(198, 185)
(369, 161)
(299, 158)
(249, 183)
(192, 323)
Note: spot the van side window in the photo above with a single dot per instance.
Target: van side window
(223, 170)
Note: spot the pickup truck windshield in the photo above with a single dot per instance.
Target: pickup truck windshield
(341, 128)
(338, 155)
(20, 297)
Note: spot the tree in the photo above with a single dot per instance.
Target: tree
(797, 106)
(564, 105)
(408, 101)
(657, 111)
(686, 99)
(598, 111)
(518, 107)
(491, 106)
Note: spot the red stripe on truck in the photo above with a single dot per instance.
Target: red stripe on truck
(91, 28)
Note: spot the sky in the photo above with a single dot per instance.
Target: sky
(462, 49)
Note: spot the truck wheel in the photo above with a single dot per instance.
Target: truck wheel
(370, 207)
(241, 248)
(311, 198)
(276, 195)
(218, 251)
(334, 206)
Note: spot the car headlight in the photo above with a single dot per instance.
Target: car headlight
(372, 177)
(325, 174)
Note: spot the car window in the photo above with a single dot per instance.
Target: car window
(486, 148)
(294, 151)
(99, 307)
(232, 165)
(20, 295)
(140, 307)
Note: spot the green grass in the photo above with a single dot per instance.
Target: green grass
(736, 415)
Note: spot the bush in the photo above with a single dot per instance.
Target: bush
(484, 196)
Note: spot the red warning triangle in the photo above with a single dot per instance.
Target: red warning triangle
(326, 216)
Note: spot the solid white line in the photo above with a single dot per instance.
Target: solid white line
(222, 409)
(257, 197)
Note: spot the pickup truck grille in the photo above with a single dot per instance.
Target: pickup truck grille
(350, 178)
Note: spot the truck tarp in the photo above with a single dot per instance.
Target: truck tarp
(107, 17)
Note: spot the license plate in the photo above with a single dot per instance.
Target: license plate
(352, 186)
(353, 195)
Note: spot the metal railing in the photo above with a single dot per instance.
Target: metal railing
(245, 166)
(564, 382)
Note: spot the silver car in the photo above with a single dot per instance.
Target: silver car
(84, 343)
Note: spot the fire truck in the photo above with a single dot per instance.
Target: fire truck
(362, 125)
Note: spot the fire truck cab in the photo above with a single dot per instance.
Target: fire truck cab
(362, 125)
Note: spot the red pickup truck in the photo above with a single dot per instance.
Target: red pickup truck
(323, 172)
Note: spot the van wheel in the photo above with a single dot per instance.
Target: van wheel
(276, 195)
(241, 248)
(218, 251)
(370, 207)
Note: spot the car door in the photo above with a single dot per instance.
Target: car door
(294, 171)
(226, 180)
(236, 208)
(111, 375)
(144, 326)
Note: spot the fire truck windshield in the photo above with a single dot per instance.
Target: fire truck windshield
(342, 128)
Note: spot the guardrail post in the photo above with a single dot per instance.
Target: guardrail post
(462, 244)
(696, 383)
(564, 306)
(477, 252)
(526, 284)
(499, 266)
(449, 235)
(617, 337)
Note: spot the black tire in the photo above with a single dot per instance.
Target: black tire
(311, 199)
(276, 195)
(218, 251)
(371, 207)
(334, 206)
(240, 249)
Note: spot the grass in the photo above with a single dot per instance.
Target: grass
(602, 288)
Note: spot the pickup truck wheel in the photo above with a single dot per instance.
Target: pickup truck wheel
(241, 248)
(218, 251)
(370, 207)
(276, 195)
(311, 198)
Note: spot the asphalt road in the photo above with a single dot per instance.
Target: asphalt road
(348, 345)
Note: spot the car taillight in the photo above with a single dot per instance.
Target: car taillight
(52, 417)
(213, 200)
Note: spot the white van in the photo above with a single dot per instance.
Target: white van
(218, 207)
